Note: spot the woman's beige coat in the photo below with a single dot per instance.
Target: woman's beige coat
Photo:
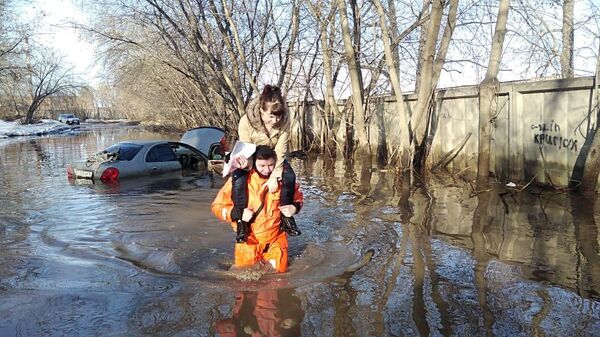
(252, 130)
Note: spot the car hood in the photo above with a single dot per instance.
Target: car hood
(203, 137)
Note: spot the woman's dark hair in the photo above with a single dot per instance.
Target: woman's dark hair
(264, 152)
(271, 95)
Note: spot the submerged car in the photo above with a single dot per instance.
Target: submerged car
(144, 158)
(69, 119)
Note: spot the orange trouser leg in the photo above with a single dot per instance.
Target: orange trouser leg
(248, 254)
(277, 254)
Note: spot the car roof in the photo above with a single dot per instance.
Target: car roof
(143, 142)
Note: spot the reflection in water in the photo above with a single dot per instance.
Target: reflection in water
(588, 252)
(146, 257)
(273, 313)
(480, 219)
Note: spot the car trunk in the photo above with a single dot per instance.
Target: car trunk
(203, 138)
(89, 168)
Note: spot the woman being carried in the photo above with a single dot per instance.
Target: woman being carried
(266, 122)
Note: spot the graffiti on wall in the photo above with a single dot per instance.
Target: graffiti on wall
(549, 134)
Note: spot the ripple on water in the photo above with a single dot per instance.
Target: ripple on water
(315, 263)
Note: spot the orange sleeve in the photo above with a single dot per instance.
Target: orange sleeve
(298, 197)
(222, 205)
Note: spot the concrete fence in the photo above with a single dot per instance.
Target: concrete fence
(541, 131)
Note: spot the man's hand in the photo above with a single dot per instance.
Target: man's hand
(288, 210)
(247, 215)
(272, 184)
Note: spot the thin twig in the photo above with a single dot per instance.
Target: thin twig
(529, 183)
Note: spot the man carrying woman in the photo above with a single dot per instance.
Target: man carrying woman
(266, 122)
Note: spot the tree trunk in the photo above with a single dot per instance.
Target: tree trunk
(286, 67)
(394, 38)
(240, 49)
(29, 116)
(422, 41)
(235, 80)
(355, 79)
(592, 162)
(440, 58)
(418, 119)
(331, 113)
(487, 91)
(487, 96)
(404, 151)
(566, 55)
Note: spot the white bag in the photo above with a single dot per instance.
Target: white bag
(239, 149)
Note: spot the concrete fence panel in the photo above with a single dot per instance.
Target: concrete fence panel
(541, 129)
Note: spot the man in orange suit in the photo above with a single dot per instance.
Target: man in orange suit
(258, 227)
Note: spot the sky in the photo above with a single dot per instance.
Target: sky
(52, 18)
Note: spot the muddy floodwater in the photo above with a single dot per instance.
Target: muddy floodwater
(377, 257)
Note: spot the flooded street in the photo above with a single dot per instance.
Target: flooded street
(376, 257)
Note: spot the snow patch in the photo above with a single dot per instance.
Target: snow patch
(43, 127)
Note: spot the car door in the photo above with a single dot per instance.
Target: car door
(160, 158)
(189, 157)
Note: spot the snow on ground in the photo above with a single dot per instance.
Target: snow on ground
(44, 127)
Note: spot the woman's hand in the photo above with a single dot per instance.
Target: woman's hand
(288, 210)
(272, 184)
(247, 215)
(242, 162)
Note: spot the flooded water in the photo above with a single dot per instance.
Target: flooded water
(377, 257)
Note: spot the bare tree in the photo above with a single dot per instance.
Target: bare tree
(431, 61)
(355, 79)
(199, 62)
(331, 114)
(13, 35)
(210, 57)
(589, 180)
(10, 38)
(47, 77)
(542, 43)
(566, 55)
(29, 73)
(285, 73)
(405, 151)
(487, 96)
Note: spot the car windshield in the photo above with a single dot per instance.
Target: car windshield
(126, 151)
(68, 116)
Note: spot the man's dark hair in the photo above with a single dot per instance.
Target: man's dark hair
(264, 152)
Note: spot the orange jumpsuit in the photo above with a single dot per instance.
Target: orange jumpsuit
(261, 311)
(266, 242)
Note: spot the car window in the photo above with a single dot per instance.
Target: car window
(216, 152)
(160, 153)
(126, 151)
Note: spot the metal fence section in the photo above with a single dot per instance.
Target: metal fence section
(541, 129)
